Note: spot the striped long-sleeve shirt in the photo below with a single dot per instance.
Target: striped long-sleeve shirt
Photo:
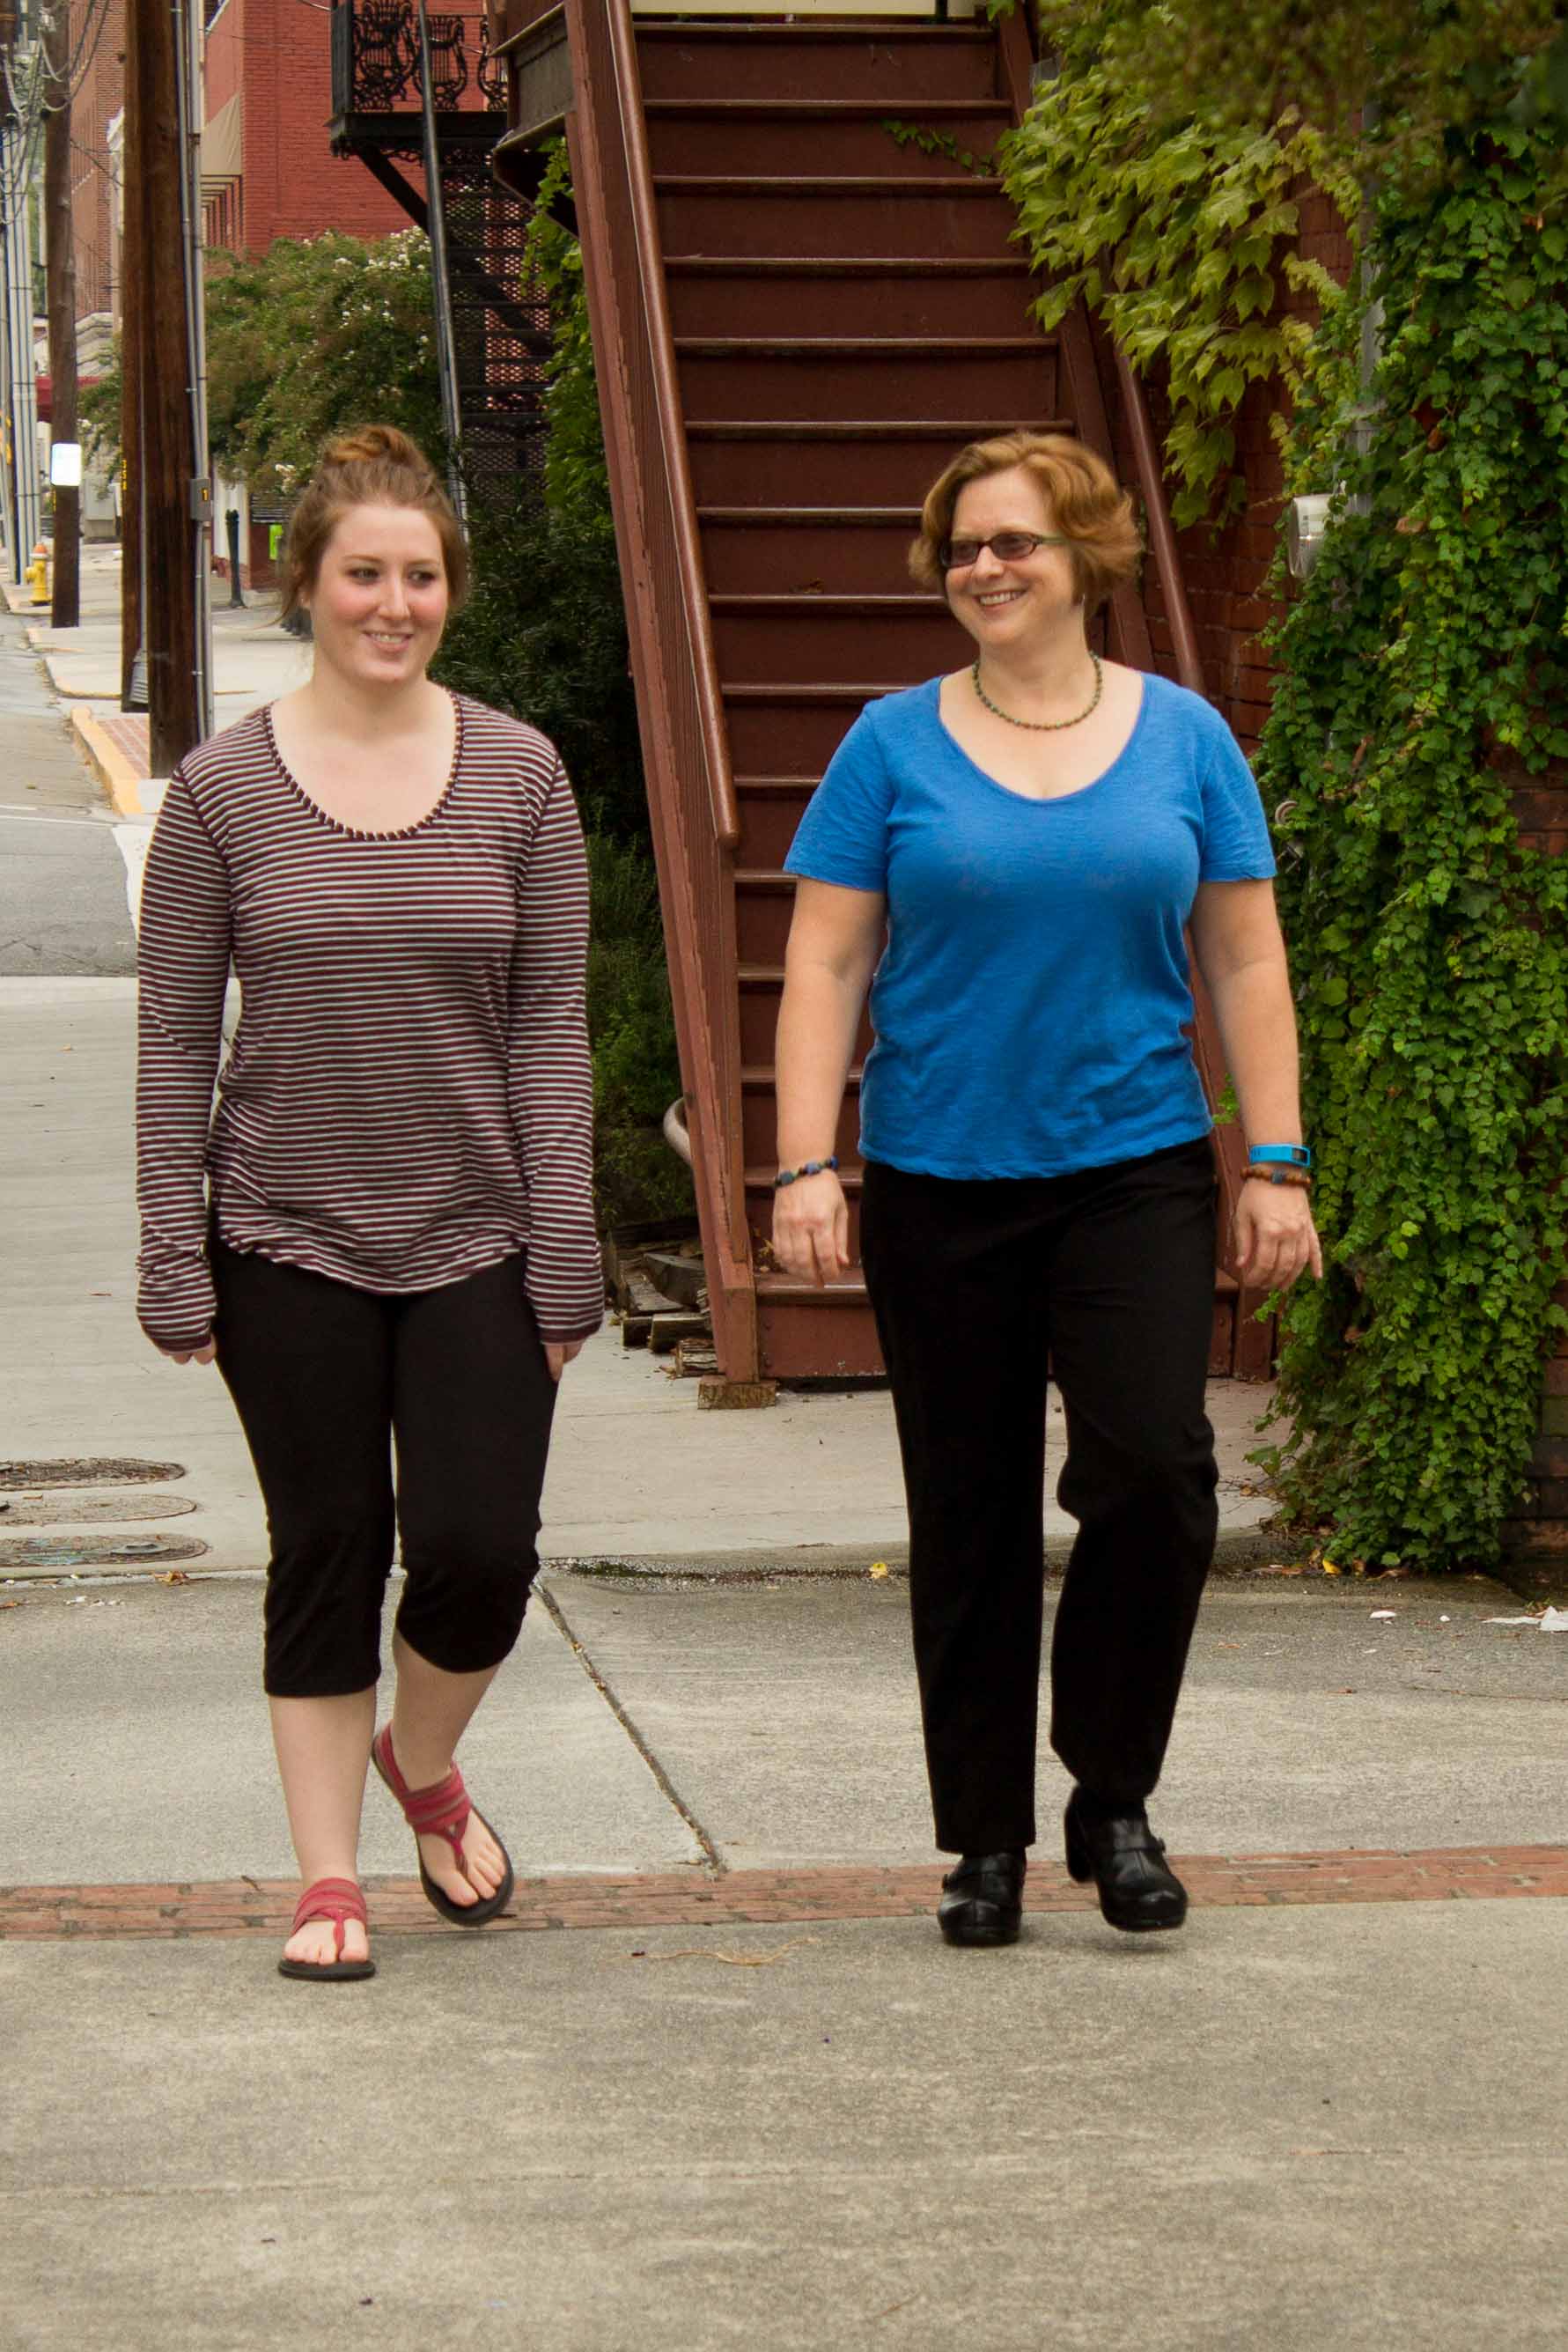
(408, 1098)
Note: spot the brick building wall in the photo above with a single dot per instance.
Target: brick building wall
(100, 96)
(274, 59)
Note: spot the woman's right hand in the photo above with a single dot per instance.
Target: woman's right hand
(202, 1355)
(811, 1228)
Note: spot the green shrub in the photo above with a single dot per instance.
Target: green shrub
(1424, 670)
(636, 1075)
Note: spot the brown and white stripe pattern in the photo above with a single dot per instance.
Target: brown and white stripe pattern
(408, 1098)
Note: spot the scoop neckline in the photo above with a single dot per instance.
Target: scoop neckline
(362, 833)
(1039, 800)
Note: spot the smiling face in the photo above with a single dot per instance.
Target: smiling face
(379, 600)
(1012, 604)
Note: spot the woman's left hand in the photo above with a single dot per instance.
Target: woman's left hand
(558, 1353)
(1275, 1237)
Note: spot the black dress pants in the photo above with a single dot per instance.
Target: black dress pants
(325, 1379)
(1108, 1275)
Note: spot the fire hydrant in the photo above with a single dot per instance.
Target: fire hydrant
(36, 574)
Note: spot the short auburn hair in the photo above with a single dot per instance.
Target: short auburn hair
(1087, 504)
(369, 466)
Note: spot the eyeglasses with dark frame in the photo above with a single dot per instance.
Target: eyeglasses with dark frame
(1007, 546)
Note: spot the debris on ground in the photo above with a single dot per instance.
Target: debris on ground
(730, 1959)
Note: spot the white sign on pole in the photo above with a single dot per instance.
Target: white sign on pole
(65, 465)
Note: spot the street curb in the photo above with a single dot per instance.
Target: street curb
(109, 763)
(20, 600)
(1236, 1550)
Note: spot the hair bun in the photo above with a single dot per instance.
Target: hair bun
(377, 445)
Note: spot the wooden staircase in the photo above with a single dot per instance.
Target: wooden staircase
(799, 318)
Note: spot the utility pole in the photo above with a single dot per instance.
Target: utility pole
(159, 347)
(17, 160)
(61, 273)
(132, 547)
(7, 498)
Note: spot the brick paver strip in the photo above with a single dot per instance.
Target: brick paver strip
(700, 1898)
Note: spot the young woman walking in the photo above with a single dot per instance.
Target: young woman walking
(383, 1231)
(1032, 833)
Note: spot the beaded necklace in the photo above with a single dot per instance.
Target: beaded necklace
(1044, 726)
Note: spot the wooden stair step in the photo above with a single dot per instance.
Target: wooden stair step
(857, 346)
(821, 110)
(894, 296)
(956, 429)
(851, 696)
(834, 639)
(802, 185)
(781, 604)
(775, 1285)
(774, 135)
(966, 349)
(784, 266)
(811, 517)
(877, 215)
(903, 375)
(772, 59)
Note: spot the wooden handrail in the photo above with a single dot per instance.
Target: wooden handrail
(1162, 537)
(660, 354)
(691, 796)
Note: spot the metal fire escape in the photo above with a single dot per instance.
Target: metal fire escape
(500, 327)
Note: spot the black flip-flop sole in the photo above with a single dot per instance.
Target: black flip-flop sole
(471, 1915)
(328, 1971)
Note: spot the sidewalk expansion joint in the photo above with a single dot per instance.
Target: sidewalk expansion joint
(666, 1786)
(794, 1897)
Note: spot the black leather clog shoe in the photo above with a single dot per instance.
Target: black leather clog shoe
(982, 1899)
(1137, 1888)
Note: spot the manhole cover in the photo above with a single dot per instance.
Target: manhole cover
(62, 1553)
(68, 1510)
(85, 1471)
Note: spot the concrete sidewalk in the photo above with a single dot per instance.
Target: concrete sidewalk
(712, 2086)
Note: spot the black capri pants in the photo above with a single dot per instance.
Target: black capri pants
(327, 1381)
(1107, 1275)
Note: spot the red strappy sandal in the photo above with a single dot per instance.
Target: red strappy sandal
(337, 1899)
(442, 1811)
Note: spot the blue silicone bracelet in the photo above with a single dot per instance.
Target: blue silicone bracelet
(1284, 1155)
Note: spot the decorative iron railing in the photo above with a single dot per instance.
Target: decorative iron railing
(375, 58)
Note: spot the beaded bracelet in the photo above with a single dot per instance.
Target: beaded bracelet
(1297, 1176)
(807, 1168)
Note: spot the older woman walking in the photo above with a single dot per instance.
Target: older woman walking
(1032, 833)
(384, 1231)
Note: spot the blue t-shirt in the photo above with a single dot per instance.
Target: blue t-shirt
(1029, 1007)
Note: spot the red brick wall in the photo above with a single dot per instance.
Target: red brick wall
(98, 98)
(294, 185)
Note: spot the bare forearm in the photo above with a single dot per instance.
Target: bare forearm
(817, 1024)
(1258, 1030)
